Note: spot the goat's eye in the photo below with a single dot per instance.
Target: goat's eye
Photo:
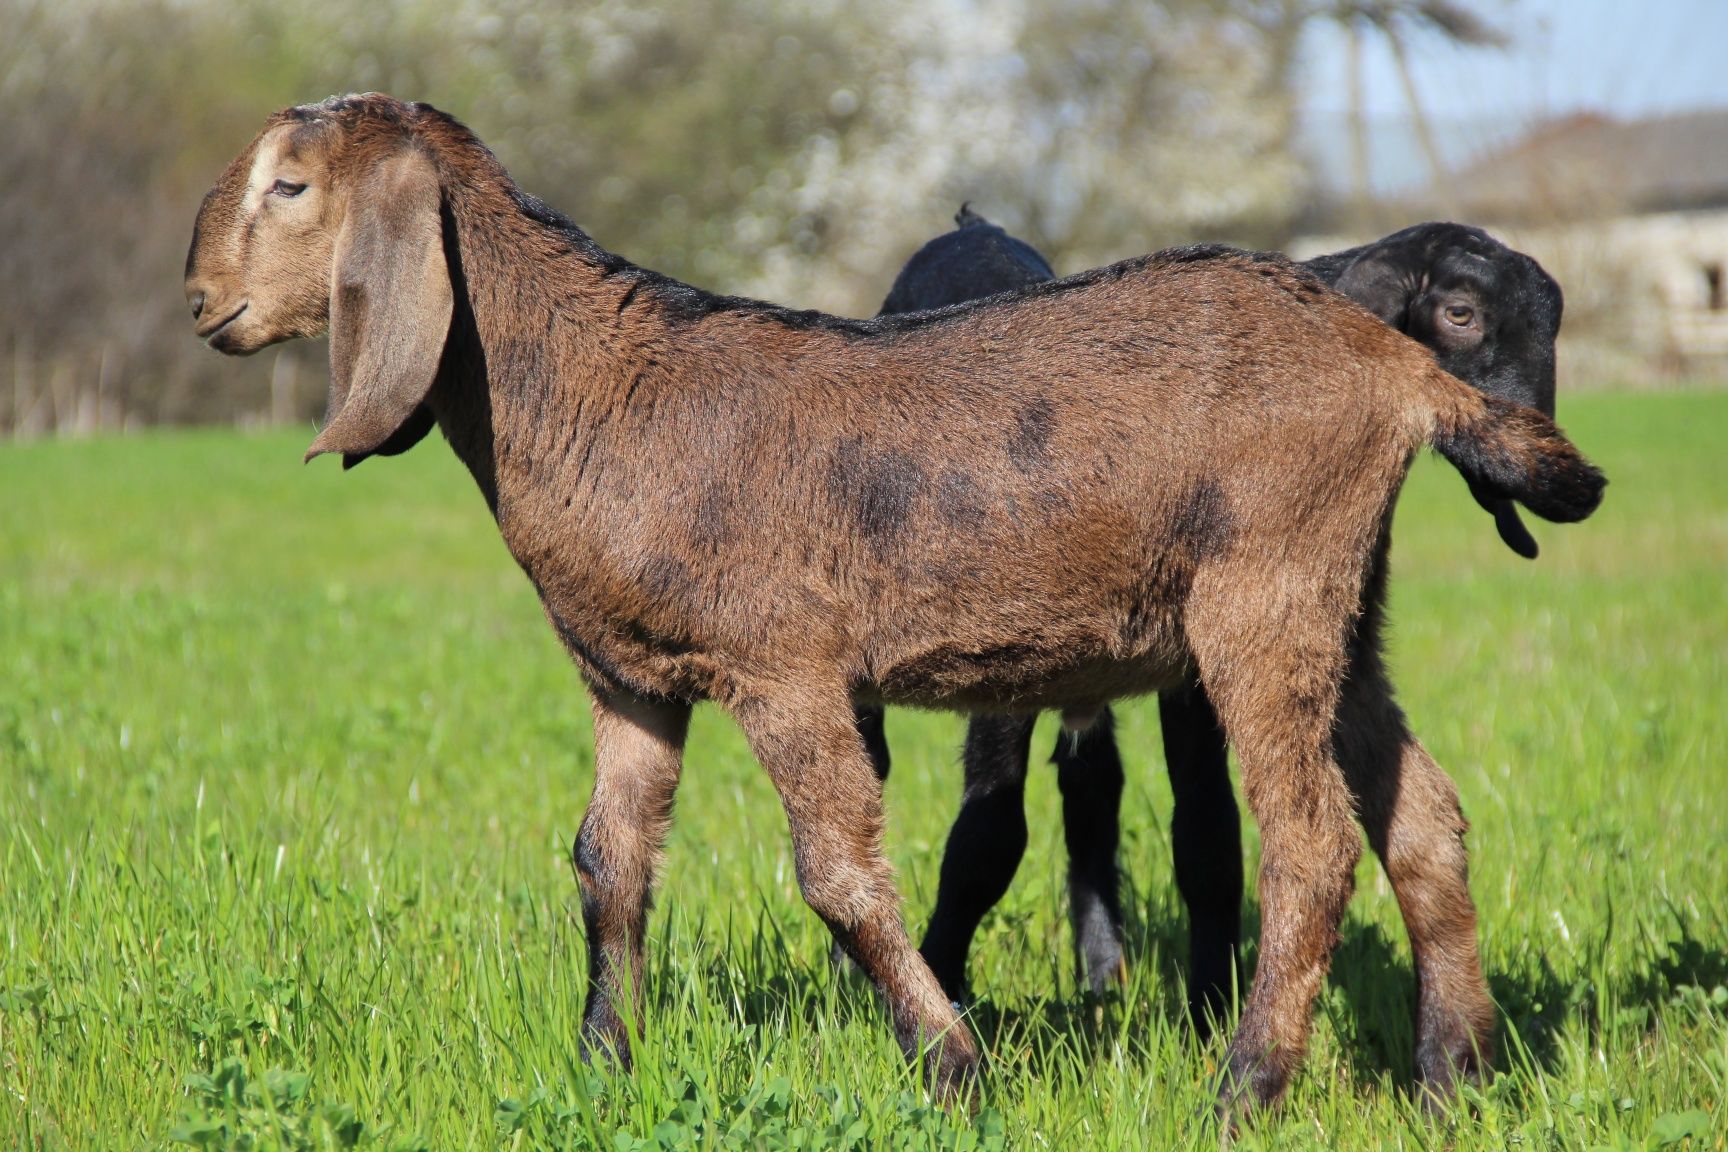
(1460, 314)
(286, 189)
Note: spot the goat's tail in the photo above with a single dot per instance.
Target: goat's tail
(1512, 452)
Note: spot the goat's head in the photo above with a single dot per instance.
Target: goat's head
(1490, 313)
(331, 220)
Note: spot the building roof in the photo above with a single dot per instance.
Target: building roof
(1589, 164)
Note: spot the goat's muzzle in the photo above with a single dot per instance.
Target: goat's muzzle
(222, 335)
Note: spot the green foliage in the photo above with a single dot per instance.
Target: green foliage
(228, 1112)
(290, 764)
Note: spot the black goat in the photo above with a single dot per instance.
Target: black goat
(1491, 315)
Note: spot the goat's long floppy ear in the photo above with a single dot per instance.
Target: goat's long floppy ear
(1383, 281)
(390, 302)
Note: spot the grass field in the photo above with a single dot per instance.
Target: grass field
(290, 764)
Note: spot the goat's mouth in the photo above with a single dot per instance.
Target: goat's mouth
(211, 331)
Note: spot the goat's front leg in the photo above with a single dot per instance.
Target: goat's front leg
(984, 846)
(1206, 841)
(1089, 773)
(638, 751)
(869, 720)
(810, 747)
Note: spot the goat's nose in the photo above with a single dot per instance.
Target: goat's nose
(197, 299)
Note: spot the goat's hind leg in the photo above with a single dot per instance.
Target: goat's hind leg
(638, 751)
(810, 746)
(1274, 679)
(1409, 808)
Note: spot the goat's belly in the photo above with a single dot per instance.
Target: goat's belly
(1072, 654)
(1024, 679)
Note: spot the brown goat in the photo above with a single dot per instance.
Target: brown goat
(1491, 316)
(1179, 463)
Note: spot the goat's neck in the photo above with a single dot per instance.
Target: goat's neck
(535, 350)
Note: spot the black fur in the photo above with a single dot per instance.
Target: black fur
(1406, 277)
(976, 260)
(984, 846)
(1089, 774)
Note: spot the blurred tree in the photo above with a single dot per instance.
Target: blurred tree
(1099, 129)
(1393, 21)
(792, 149)
(658, 129)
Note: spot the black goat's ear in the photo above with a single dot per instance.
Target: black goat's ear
(390, 305)
(1383, 280)
(1506, 521)
(1512, 531)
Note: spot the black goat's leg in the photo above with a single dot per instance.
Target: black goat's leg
(1206, 841)
(638, 751)
(984, 846)
(869, 719)
(1089, 773)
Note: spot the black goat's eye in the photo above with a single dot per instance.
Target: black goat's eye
(1460, 314)
(287, 189)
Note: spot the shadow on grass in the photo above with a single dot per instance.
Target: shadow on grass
(1369, 998)
(1371, 995)
(1539, 1001)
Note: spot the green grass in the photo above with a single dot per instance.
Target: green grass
(290, 763)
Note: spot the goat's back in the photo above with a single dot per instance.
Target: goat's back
(1038, 477)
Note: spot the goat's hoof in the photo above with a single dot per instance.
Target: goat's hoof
(603, 1048)
(955, 1073)
(1251, 1086)
(1443, 1067)
(1104, 967)
(1438, 1095)
(959, 1091)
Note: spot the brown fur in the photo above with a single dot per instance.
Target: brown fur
(619, 847)
(1181, 462)
(1409, 808)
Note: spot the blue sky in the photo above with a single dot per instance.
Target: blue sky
(1625, 59)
